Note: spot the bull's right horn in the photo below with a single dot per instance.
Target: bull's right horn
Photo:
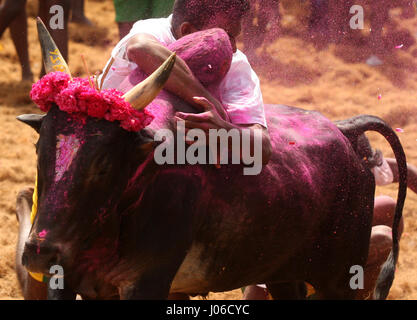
(51, 56)
(144, 92)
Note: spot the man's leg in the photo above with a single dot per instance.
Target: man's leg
(384, 211)
(60, 36)
(411, 173)
(379, 248)
(77, 13)
(254, 292)
(31, 289)
(128, 12)
(9, 10)
(19, 34)
(380, 243)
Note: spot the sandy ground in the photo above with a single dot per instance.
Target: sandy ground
(331, 79)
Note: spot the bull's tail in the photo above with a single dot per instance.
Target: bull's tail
(352, 129)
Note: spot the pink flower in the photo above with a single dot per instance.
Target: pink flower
(44, 91)
(76, 97)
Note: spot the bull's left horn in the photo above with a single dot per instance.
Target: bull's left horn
(51, 55)
(144, 92)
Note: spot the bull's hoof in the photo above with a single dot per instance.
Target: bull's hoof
(24, 204)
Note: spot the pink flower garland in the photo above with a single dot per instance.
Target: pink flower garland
(77, 97)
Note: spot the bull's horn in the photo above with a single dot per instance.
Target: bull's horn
(52, 58)
(144, 92)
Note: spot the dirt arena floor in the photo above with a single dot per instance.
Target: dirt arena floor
(332, 79)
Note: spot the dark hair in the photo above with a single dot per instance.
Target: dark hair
(199, 12)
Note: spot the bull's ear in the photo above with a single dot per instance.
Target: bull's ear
(146, 143)
(33, 120)
(148, 146)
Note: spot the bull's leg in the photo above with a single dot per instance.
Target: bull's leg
(349, 244)
(296, 290)
(61, 294)
(154, 284)
(336, 286)
(31, 289)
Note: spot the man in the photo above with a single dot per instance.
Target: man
(130, 11)
(78, 15)
(239, 104)
(13, 15)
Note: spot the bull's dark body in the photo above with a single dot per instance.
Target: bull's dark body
(306, 217)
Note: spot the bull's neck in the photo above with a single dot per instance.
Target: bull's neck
(164, 108)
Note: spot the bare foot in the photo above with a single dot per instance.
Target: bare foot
(255, 293)
(27, 77)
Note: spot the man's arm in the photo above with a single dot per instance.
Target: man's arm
(148, 53)
(411, 173)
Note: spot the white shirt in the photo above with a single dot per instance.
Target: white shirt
(239, 92)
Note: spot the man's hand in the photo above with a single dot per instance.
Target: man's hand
(211, 119)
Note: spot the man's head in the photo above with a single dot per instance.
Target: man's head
(194, 15)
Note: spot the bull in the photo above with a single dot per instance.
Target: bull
(122, 226)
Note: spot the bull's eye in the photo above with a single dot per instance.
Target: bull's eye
(100, 166)
(102, 172)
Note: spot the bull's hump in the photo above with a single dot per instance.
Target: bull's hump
(291, 127)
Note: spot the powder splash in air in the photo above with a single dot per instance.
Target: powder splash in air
(75, 96)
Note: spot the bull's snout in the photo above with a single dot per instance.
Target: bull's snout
(39, 257)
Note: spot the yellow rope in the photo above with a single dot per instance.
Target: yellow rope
(37, 276)
(35, 202)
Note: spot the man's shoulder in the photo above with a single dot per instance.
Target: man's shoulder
(241, 65)
(153, 21)
(160, 28)
(240, 57)
(153, 24)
